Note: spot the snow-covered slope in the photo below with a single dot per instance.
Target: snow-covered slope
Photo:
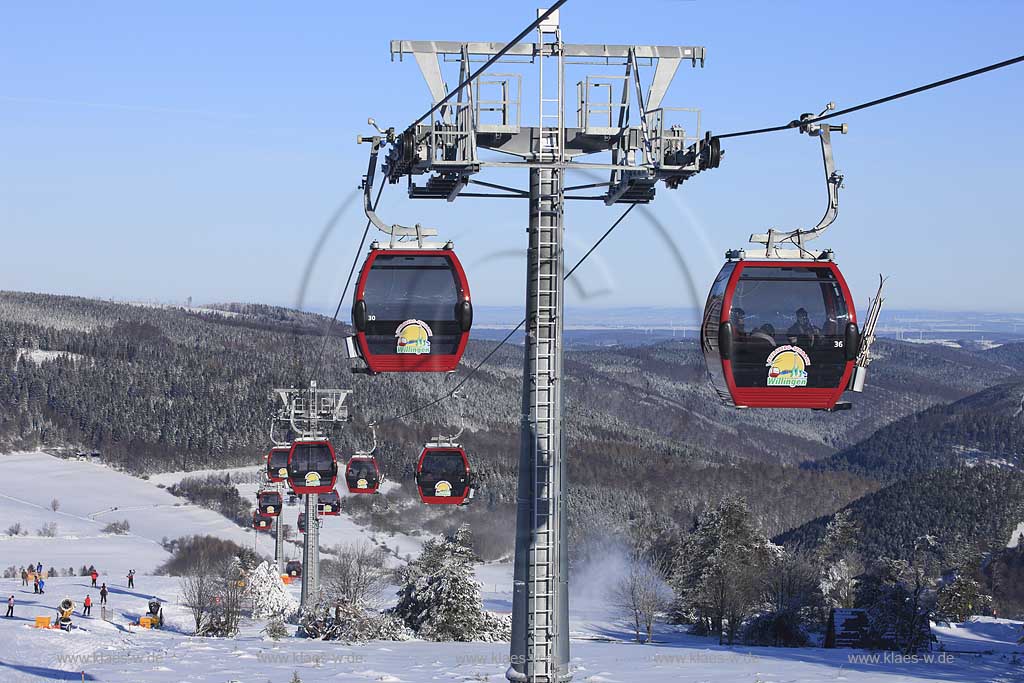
(115, 651)
(90, 497)
(334, 530)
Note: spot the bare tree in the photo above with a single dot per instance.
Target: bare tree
(198, 590)
(358, 576)
(55, 505)
(642, 594)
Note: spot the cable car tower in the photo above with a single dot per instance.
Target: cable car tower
(310, 414)
(644, 143)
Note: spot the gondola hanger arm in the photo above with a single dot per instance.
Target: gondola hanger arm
(772, 240)
(394, 230)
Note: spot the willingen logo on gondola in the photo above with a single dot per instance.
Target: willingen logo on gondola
(414, 337)
(787, 367)
(312, 478)
(442, 488)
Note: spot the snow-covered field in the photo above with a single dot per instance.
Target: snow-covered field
(980, 651)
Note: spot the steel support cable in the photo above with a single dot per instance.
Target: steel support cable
(498, 55)
(483, 361)
(873, 103)
(344, 292)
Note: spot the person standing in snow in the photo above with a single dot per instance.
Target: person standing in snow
(87, 606)
(131, 578)
(94, 575)
(39, 568)
(35, 583)
(103, 594)
(42, 584)
(10, 607)
(24, 577)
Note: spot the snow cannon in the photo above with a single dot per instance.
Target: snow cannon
(64, 611)
(156, 612)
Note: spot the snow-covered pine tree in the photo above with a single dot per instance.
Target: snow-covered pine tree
(270, 599)
(839, 560)
(721, 568)
(961, 599)
(439, 597)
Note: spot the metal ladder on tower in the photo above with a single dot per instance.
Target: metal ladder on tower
(541, 665)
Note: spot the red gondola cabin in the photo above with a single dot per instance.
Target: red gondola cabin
(362, 474)
(261, 523)
(411, 310)
(329, 504)
(312, 467)
(269, 503)
(780, 334)
(277, 464)
(443, 475)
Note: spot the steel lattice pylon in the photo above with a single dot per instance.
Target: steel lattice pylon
(644, 152)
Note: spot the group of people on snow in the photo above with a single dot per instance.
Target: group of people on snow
(36, 575)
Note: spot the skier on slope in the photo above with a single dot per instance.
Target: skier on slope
(87, 606)
(131, 578)
(94, 575)
(103, 594)
(10, 607)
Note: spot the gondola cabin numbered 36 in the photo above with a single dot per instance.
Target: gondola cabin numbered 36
(780, 334)
(411, 310)
(312, 467)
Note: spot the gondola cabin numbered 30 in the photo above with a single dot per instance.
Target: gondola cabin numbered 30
(312, 467)
(780, 334)
(443, 476)
(411, 310)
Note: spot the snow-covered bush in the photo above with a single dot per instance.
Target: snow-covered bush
(270, 599)
(14, 529)
(350, 623)
(120, 528)
(276, 629)
(48, 530)
(495, 627)
(778, 629)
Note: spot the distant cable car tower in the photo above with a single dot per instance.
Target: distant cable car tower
(310, 414)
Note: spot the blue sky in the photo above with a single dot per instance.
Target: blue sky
(166, 150)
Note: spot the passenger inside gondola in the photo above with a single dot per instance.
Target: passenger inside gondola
(767, 300)
(802, 332)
